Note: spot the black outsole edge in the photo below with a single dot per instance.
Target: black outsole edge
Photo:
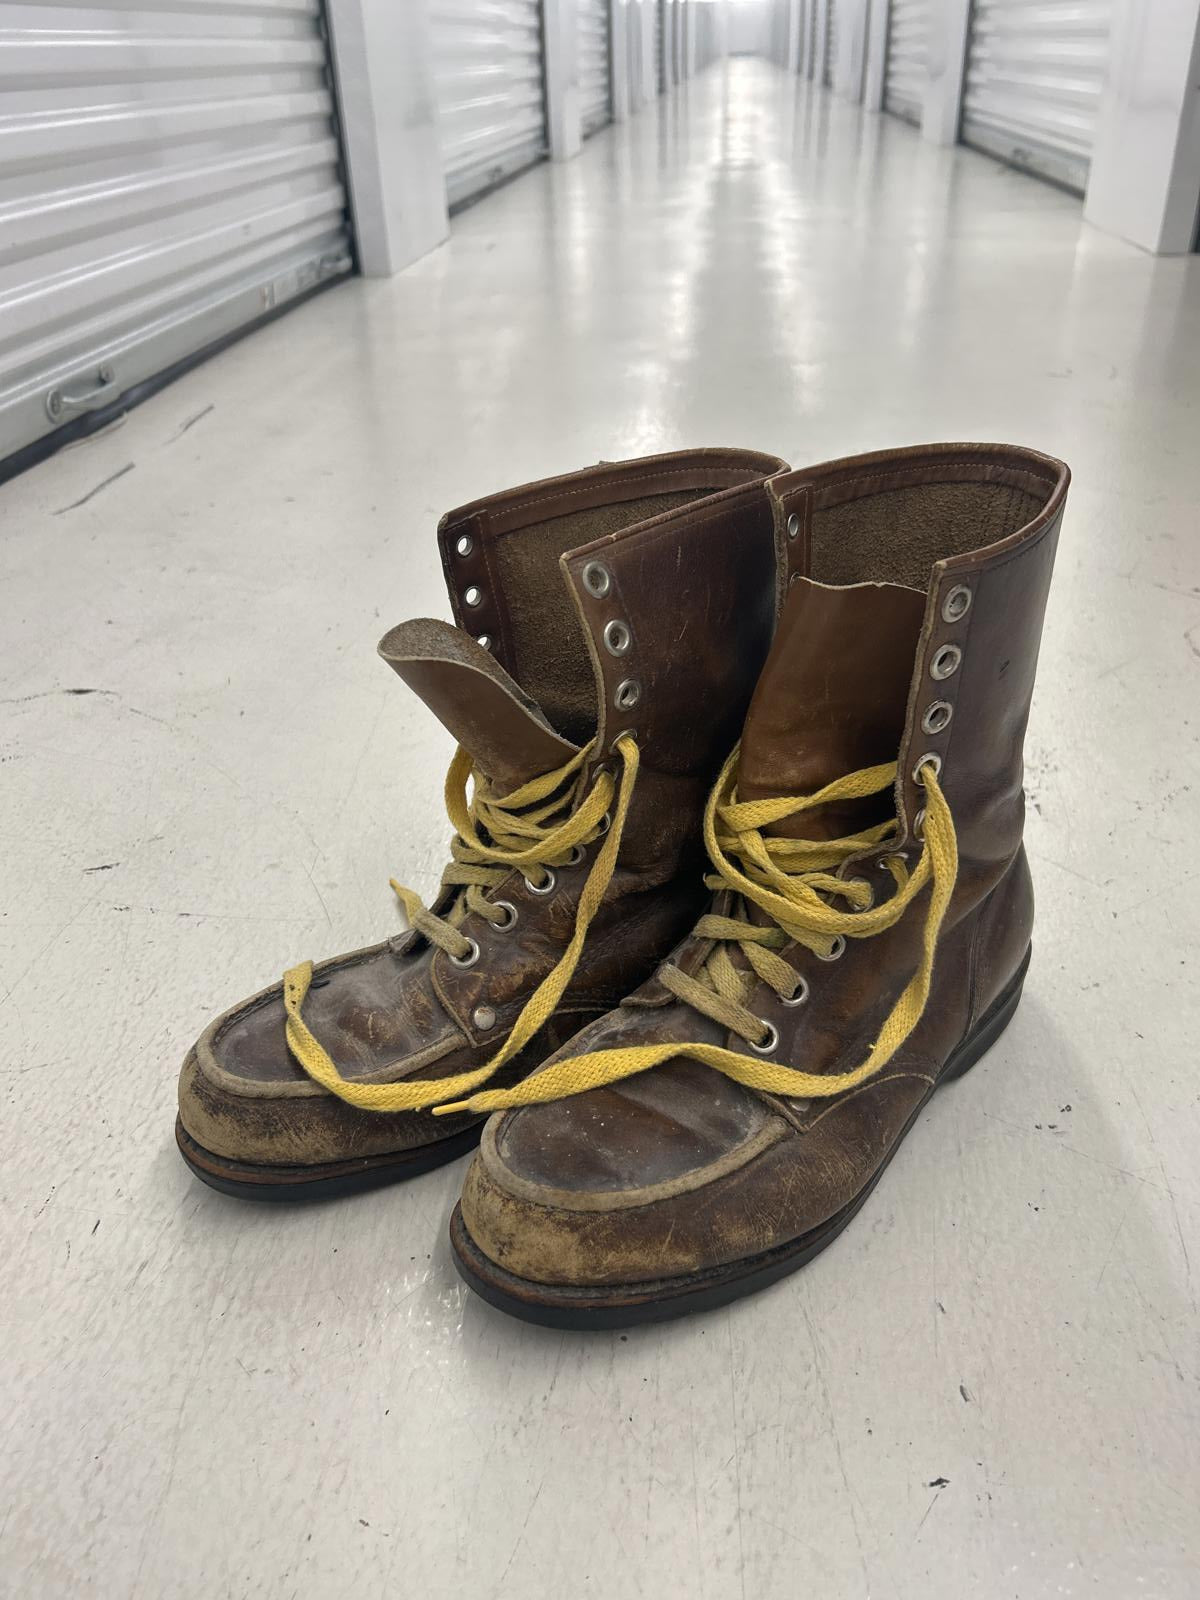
(327, 1182)
(632, 1305)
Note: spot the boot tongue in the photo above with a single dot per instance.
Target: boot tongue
(468, 691)
(832, 698)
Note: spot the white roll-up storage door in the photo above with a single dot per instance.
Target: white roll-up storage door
(489, 83)
(907, 59)
(658, 65)
(168, 174)
(595, 68)
(1035, 74)
(827, 67)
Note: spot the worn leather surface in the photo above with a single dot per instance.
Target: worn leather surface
(681, 1169)
(401, 1009)
(470, 693)
(851, 714)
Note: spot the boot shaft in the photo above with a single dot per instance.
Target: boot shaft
(632, 597)
(583, 583)
(916, 585)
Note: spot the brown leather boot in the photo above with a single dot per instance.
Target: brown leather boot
(870, 930)
(611, 626)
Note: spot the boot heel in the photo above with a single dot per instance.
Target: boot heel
(989, 1027)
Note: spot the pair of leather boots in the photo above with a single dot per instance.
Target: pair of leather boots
(737, 878)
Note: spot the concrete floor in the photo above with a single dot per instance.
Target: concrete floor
(989, 1387)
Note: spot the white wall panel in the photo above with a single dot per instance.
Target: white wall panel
(1144, 182)
(381, 55)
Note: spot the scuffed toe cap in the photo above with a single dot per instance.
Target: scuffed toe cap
(302, 1130)
(242, 1097)
(616, 1192)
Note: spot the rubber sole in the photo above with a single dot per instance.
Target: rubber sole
(326, 1181)
(628, 1305)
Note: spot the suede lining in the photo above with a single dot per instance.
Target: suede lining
(896, 535)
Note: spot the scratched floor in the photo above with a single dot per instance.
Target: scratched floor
(989, 1386)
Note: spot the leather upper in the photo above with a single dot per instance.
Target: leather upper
(521, 568)
(680, 1170)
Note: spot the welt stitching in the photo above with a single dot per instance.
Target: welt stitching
(906, 472)
(648, 477)
(692, 472)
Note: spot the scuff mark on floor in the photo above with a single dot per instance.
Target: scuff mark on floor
(48, 694)
(92, 493)
(191, 422)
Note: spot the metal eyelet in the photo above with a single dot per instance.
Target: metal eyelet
(769, 1043)
(919, 825)
(617, 638)
(798, 995)
(484, 639)
(474, 596)
(464, 544)
(892, 855)
(471, 957)
(793, 526)
(836, 950)
(929, 759)
(597, 579)
(604, 824)
(509, 920)
(946, 662)
(576, 856)
(542, 888)
(957, 603)
(484, 1017)
(937, 716)
(627, 694)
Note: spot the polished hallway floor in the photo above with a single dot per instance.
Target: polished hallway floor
(989, 1387)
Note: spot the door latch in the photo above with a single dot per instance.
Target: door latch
(62, 403)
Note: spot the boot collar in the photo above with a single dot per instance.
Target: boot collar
(662, 582)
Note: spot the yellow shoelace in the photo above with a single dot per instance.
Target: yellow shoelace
(791, 880)
(495, 836)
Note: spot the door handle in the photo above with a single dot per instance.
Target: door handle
(64, 403)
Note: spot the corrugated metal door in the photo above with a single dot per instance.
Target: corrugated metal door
(168, 173)
(907, 57)
(490, 87)
(1035, 74)
(595, 70)
(827, 67)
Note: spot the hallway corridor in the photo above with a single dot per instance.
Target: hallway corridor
(989, 1387)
